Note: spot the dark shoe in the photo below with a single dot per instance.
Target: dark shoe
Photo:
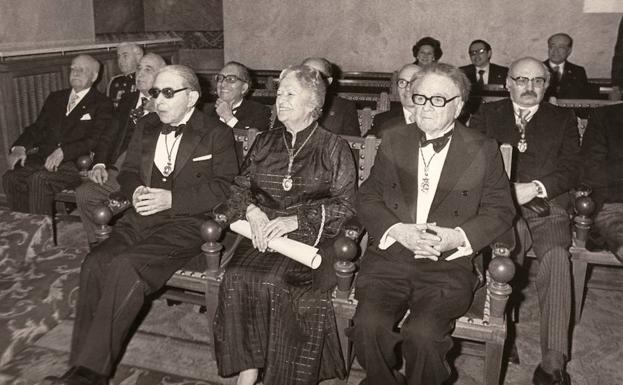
(559, 377)
(77, 376)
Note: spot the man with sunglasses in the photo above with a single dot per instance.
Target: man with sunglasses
(113, 144)
(436, 196)
(397, 113)
(546, 163)
(233, 83)
(179, 165)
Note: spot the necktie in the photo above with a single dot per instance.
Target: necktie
(557, 73)
(523, 116)
(481, 80)
(438, 143)
(73, 100)
(167, 128)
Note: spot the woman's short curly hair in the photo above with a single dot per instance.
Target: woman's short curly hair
(436, 44)
(312, 80)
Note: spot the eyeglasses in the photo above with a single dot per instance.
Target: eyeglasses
(231, 79)
(435, 101)
(477, 51)
(401, 83)
(168, 92)
(523, 81)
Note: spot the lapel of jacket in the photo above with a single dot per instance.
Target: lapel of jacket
(457, 160)
(150, 139)
(405, 152)
(81, 108)
(190, 140)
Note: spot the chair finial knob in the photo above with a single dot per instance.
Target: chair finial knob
(102, 215)
(345, 249)
(83, 162)
(211, 231)
(584, 205)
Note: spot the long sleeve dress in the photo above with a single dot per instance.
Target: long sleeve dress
(275, 313)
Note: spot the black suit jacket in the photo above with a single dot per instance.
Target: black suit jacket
(553, 152)
(339, 116)
(76, 134)
(473, 190)
(250, 114)
(386, 120)
(572, 85)
(603, 155)
(114, 141)
(198, 184)
(497, 74)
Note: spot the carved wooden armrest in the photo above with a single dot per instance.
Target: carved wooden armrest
(345, 251)
(115, 204)
(500, 272)
(211, 232)
(584, 208)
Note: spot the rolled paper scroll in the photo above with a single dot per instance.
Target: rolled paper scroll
(298, 251)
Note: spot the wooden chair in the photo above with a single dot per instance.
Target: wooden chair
(580, 256)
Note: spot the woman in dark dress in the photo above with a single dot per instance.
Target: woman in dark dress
(275, 314)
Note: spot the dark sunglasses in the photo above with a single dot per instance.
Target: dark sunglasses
(168, 92)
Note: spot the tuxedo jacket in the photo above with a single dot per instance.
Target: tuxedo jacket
(205, 165)
(76, 134)
(114, 140)
(497, 74)
(553, 152)
(339, 116)
(386, 120)
(473, 190)
(602, 155)
(572, 85)
(250, 114)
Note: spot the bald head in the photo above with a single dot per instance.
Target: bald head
(128, 56)
(527, 81)
(83, 72)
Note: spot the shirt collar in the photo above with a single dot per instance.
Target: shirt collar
(407, 114)
(441, 133)
(531, 110)
(236, 105)
(81, 93)
(485, 68)
(561, 66)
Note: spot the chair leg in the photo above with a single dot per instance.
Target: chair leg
(493, 362)
(579, 283)
(345, 344)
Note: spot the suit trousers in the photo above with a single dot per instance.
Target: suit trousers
(551, 239)
(31, 188)
(91, 195)
(118, 276)
(436, 293)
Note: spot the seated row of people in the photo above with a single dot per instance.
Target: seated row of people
(297, 180)
(567, 80)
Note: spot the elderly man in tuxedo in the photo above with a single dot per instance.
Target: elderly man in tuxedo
(113, 144)
(128, 57)
(42, 160)
(567, 80)
(546, 163)
(397, 114)
(180, 164)
(436, 196)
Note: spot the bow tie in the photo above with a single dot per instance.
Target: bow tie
(167, 129)
(438, 143)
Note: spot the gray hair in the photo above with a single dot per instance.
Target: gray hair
(535, 61)
(457, 77)
(312, 80)
(94, 65)
(189, 79)
(136, 49)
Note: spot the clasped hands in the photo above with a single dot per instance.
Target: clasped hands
(427, 244)
(51, 162)
(265, 230)
(148, 200)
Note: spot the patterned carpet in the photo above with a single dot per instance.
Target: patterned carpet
(173, 345)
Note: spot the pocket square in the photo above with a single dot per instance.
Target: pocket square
(200, 158)
(86, 116)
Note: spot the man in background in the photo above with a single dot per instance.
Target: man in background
(128, 57)
(567, 80)
(482, 72)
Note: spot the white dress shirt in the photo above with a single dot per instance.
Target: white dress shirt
(80, 96)
(168, 145)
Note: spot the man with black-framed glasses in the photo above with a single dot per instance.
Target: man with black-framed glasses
(397, 113)
(179, 165)
(546, 163)
(233, 83)
(436, 196)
